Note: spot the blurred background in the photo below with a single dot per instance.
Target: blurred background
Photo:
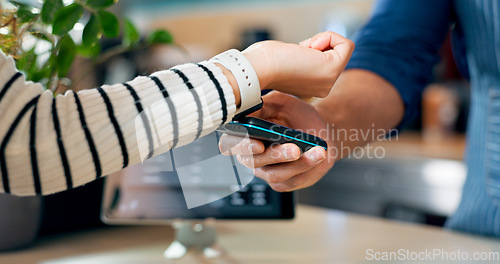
(420, 176)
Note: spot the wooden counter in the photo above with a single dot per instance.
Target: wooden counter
(315, 236)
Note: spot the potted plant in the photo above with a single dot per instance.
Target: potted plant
(45, 37)
(44, 42)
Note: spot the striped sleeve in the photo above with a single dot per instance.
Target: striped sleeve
(51, 144)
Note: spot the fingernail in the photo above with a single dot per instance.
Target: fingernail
(316, 155)
(290, 153)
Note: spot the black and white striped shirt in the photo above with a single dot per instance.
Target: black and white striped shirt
(54, 144)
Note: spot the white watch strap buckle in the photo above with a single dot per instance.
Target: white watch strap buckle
(245, 75)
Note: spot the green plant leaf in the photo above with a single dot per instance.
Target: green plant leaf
(130, 35)
(39, 74)
(31, 70)
(89, 52)
(25, 61)
(43, 35)
(49, 10)
(160, 37)
(30, 64)
(109, 23)
(101, 3)
(65, 56)
(91, 32)
(66, 18)
(24, 14)
(43, 73)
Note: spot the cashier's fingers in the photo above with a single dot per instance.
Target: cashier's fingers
(276, 153)
(278, 173)
(234, 145)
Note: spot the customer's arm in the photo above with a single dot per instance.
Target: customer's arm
(52, 144)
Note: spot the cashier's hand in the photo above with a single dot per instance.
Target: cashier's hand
(299, 69)
(282, 166)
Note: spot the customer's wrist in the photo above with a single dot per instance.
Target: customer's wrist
(261, 64)
(232, 81)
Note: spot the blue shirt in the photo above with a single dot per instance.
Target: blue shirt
(401, 43)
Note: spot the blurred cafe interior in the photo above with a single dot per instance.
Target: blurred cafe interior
(395, 193)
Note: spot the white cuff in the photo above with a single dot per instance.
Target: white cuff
(244, 73)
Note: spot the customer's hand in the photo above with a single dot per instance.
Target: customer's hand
(282, 166)
(301, 70)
